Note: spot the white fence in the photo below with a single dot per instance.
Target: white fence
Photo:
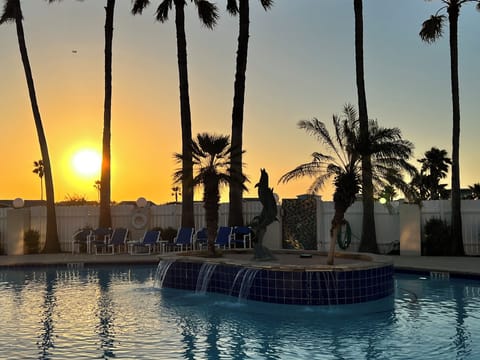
(72, 218)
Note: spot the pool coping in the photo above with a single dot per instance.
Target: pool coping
(467, 266)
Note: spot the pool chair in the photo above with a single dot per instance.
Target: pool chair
(183, 240)
(80, 240)
(149, 241)
(118, 241)
(201, 238)
(223, 238)
(241, 236)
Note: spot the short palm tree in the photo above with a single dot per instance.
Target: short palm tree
(475, 191)
(242, 9)
(39, 169)
(432, 29)
(208, 14)
(211, 159)
(342, 162)
(12, 12)
(434, 168)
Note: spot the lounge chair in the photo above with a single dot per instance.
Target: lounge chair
(223, 238)
(80, 240)
(183, 240)
(201, 238)
(118, 240)
(149, 241)
(98, 237)
(242, 235)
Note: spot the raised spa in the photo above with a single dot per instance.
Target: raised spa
(295, 278)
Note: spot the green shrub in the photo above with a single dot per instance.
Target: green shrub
(31, 242)
(436, 238)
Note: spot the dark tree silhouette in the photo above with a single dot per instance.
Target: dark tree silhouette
(12, 12)
(432, 29)
(242, 9)
(207, 13)
(342, 161)
(39, 169)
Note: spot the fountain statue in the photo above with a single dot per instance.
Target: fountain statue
(267, 216)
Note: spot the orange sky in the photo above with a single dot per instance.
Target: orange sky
(305, 72)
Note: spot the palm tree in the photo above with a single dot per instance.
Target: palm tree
(39, 169)
(12, 12)
(211, 158)
(240, 7)
(208, 14)
(432, 29)
(368, 242)
(435, 168)
(342, 161)
(475, 191)
(105, 219)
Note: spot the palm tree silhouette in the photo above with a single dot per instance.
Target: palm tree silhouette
(368, 242)
(240, 7)
(12, 12)
(40, 171)
(211, 158)
(105, 219)
(343, 158)
(207, 13)
(432, 29)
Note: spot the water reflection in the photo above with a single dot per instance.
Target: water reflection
(46, 341)
(105, 313)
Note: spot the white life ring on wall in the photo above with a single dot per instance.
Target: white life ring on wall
(139, 220)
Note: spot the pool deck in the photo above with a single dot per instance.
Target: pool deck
(456, 265)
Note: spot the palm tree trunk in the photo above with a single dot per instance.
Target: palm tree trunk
(187, 164)
(457, 238)
(52, 244)
(235, 215)
(368, 241)
(211, 200)
(105, 220)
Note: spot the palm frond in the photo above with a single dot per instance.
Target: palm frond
(432, 29)
(11, 10)
(163, 9)
(267, 4)
(207, 12)
(232, 7)
(139, 5)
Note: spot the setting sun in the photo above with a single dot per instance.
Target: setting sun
(86, 162)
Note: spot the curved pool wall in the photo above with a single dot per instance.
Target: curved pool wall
(282, 284)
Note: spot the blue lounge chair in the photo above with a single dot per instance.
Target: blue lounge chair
(201, 238)
(149, 241)
(223, 238)
(242, 235)
(118, 241)
(183, 240)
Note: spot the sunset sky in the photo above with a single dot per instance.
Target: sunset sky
(300, 66)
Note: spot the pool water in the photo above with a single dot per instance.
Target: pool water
(105, 313)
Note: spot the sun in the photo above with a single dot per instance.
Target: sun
(86, 162)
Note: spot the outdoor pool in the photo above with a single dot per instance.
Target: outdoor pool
(115, 312)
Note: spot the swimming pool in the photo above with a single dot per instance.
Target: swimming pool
(106, 312)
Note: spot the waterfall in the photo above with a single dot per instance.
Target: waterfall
(330, 280)
(204, 276)
(247, 281)
(161, 272)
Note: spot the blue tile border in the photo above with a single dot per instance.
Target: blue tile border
(299, 287)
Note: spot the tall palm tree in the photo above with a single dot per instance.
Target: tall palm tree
(39, 169)
(368, 242)
(208, 14)
(211, 158)
(342, 161)
(105, 219)
(432, 29)
(12, 12)
(242, 8)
